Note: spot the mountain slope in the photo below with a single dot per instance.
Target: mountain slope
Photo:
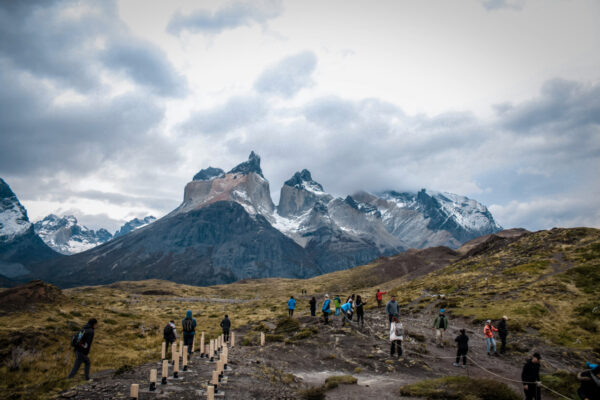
(66, 236)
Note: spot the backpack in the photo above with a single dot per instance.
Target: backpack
(442, 322)
(76, 338)
(399, 331)
(168, 332)
(188, 325)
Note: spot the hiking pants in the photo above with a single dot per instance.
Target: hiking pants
(360, 317)
(390, 316)
(379, 303)
(398, 345)
(502, 343)
(490, 342)
(461, 352)
(439, 336)
(326, 316)
(337, 311)
(226, 335)
(188, 340)
(312, 311)
(346, 317)
(290, 312)
(167, 344)
(81, 358)
(533, 392)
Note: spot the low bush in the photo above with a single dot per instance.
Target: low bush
(460, 388)
(333, 381)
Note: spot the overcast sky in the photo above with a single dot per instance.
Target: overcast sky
(107, 109)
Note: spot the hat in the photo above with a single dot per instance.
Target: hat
(489, 321)
(537, 355)
(442, 310)
(327, 295)
(505, 317)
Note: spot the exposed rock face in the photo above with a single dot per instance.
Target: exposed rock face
(299, 194)
(208, 174)
(247, 167)
(134, 224)
(66, 236)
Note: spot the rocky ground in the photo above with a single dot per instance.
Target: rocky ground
(301, 354)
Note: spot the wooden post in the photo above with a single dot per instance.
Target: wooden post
(153, 374)
(181, 348)
(176, 366)
(212, 350)
(165, 372)
(210, 392)
(224, 356)
(163, 351)
(206, 350)
(134, 391)
(173, 351)
(185, 358)
(262, 338)
(202, 345)
(215, 379)
(232, 338)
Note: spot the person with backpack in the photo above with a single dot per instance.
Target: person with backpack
(226, 325)
(440, 324)
(189, 330)
(170, 335)
(503, 332)
(338, 304)
(530, 377)
(396, 336)
(360, 313)
(346, 312)
(488, 334)
(379, 297)
(313, 306)
(82, 343)
(590, 383)
(391, 308)
(326, 309)
(291, 306)
(462, 349)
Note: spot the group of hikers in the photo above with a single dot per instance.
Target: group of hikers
(530, 376)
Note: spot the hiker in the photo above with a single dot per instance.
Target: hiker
(379, 297)
(82, 342)
(462, 348)
(531, 377)
(346, 312)
(291, 306)
(391, 308)
(590, 383)
(313, 306)
(440, 325)
(360, 314)
(326, 309)
(502, 332)
(337, 303)
(396, 336)
(225, 325)
(350, 298)
(189, 330)
(488, 333)
(170, 335)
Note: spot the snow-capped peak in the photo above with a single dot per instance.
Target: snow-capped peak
(65, 235)
(13, 216)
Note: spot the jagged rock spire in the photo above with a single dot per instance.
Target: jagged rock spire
(252, 165)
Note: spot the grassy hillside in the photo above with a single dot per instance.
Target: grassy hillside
(545, 281)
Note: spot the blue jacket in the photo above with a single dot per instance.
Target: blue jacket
(326, 306)
(291, 304)
(188, 314)
(346, 307)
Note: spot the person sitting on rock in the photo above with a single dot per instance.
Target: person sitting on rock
(488, 333)
(291, 306)
(396, 336)
(326, 309)
(462, 349)
(440, 324)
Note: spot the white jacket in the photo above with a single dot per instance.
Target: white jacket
(393, 335)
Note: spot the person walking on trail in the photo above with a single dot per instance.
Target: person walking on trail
(396, 336)
(291, 306)
(360, 313)
(462, 342)
(590, 384)
(189, 330)
(169, 334)
(313, 306)
(440, 324)
(488, 333)
(531, 377)
(502, 332)
(346, 312)
(82, 343)
(338, 304)
(391, 308)
(226, 325)
(379, 297)
(326, 309)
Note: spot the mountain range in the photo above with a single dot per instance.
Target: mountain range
(227, 228)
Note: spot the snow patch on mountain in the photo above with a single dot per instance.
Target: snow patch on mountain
(133, 225)
(65, 235)
(13, 216)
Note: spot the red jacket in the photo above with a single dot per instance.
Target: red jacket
(488, 331)
(379, 295)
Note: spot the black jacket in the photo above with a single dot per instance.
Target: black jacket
(225, 324)
(313, 304)
(502, 330)
(531, 372)
(85, 344)
(463, 342)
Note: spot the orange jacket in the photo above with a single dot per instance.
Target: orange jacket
(488, 331)
(379, 295)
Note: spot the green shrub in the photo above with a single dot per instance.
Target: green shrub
(287, 325)
(333, 381)
(563, 382)
(460, 388)
(274, 338)
(313, 393)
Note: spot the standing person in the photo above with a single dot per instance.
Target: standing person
(590, 384)
(326, 309)
(531, 376)
(503, 332)
(462, 348)
(338, 304)
(226, 325)
(488, 333)
(82, 342)
(346, 312)
(189, 330)
(313, 306)
(360, 314)
(170, 335)
(396, 336)
(379, 297)
(391, 308)
(291, 306)
(440, 325)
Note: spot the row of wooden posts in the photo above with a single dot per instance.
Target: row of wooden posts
(214, 348)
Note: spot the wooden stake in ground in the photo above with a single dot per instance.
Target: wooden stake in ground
(176, 366)
(181, 348)
(224, 357)
(173, 351)
(134, 391)
(153, 374)
(262, 338)
(212, 349)
(210, 392)
(163, 351)
(202, 345)
(165, 372)
(185, 358)
(232, 339)
(215, 380)
(206, 350)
